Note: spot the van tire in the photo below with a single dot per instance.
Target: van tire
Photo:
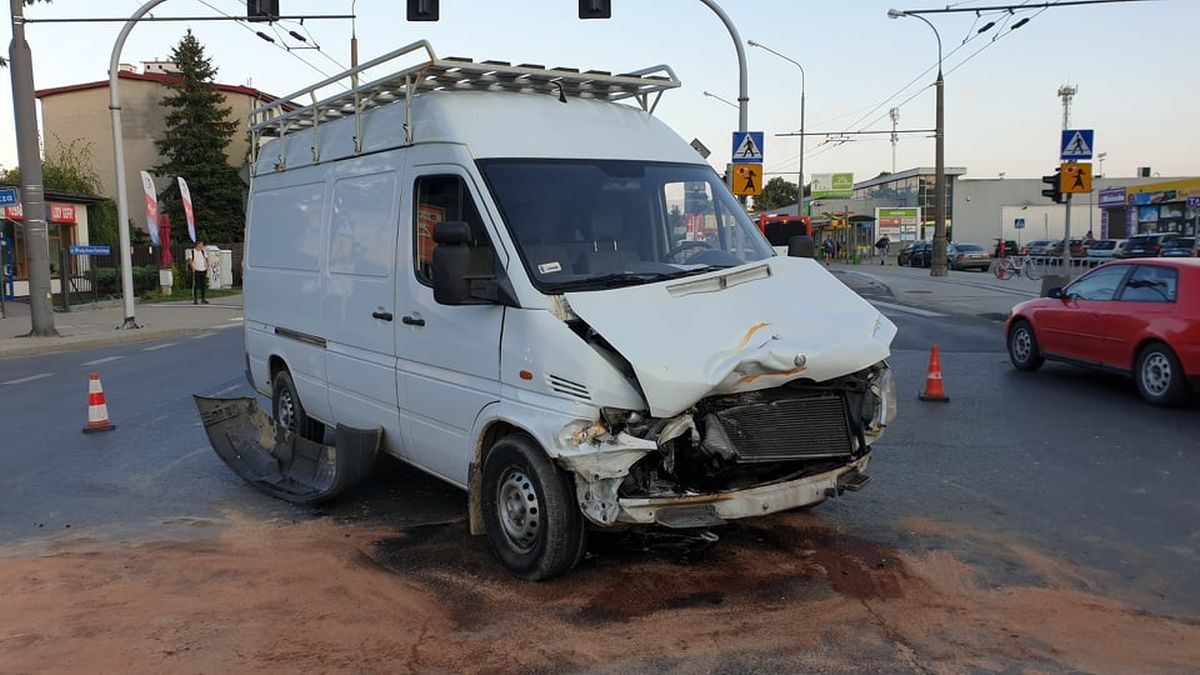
(289, 413)
(530, 514)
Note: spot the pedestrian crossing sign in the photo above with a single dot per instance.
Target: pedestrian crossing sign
(1075, 177)
(747, 147)
(1077, 143)
(747, 179)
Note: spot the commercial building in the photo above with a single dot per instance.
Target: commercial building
(79, 112)
(67, 222)
(1159, 206)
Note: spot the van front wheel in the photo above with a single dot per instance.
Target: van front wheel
(288, 411)
(529, 511)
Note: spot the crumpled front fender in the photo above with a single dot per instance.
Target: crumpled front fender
(280, 463)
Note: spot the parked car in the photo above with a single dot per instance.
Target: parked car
(1040, 247)
(1011, 249)
(1079, 248)
(1147, 245)
(1138, 317)
(917, 255)
(1182, 247)
(1106, 248)
(965, 256)
(482, 284)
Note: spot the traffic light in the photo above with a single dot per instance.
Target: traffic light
(422, 10)
(595, 9)
(262, 10)
(1055, 191)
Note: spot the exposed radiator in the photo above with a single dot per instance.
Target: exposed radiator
(788, 429)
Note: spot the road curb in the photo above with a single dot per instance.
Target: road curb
(132, 336)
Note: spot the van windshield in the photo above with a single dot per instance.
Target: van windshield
(592, 224)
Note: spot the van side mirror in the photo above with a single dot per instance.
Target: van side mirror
(801, 246)
(465, 274)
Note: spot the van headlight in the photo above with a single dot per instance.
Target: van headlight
(882, 387)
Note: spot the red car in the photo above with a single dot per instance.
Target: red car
(1140, 317)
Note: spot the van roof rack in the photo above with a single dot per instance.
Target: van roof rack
(287, 114)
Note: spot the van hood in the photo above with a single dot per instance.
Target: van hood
(747, 328)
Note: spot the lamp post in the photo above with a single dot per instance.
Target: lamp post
(937, 267)
(726, 101)
(800, 172)
(743, 87)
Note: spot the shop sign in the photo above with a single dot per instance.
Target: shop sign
(832, 186)
(58, 213)
(1111, 197)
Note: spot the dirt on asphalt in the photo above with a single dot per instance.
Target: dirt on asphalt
(785, 592)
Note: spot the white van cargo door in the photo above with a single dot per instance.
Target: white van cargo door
(449, 355)
(360, 295)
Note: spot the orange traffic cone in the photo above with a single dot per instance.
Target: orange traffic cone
(97, 408)
(933, 383)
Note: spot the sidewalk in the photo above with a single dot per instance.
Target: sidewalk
(87, 328)
(970, 293)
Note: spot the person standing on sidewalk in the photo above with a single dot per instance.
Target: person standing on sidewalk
(828, 247)
(883, 245)
(199, 265)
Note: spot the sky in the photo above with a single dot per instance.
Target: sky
(1134, 66)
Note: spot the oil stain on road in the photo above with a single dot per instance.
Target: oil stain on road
(788, 592)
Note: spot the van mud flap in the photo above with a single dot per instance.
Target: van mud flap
(279, 462)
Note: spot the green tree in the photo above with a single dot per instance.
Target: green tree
(193, 146)
(776, 193)
(70, 167)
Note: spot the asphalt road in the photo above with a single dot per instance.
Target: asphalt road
(1064, 462)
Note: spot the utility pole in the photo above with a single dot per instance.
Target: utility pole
(1067, 93)
(33, 204)
(894, 113)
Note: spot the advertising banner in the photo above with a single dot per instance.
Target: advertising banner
(185, 196)
(151, 206)
(832, 186)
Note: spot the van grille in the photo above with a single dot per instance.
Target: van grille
(573, 389)
(786, 429)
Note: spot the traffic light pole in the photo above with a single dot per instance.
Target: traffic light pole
(33, 204)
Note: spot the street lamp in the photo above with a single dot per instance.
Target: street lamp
(800, 184)
(722, 100)
(937, 267)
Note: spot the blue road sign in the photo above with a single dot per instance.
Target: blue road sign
(1019, 223)
(1077, 143)
(747, 147)
(1193, 202)
(8, 196)
(90, 249)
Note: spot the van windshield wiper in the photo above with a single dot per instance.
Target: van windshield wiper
(618, 279)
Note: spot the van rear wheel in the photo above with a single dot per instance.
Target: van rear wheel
(289, 412)
(533, 523)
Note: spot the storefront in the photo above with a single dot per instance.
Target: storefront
(67, 225)
(1172, 206)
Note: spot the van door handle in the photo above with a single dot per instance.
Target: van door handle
(413, 321)
(386, 316)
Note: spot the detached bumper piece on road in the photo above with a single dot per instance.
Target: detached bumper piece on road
(280, 463)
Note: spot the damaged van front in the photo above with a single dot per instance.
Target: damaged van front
(689, 375)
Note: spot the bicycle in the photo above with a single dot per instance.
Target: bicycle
(1025, 266)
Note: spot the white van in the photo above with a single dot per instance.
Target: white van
(547, 298)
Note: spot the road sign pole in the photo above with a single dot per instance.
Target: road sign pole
(1067, 238)
(37, 237)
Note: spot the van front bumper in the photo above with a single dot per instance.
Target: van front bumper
(705, 510)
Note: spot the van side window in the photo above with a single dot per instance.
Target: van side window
(445, 198)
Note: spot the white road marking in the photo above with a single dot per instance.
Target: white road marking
(226, 390)
(236, 318)
(908, 310)
(157, 347)
(103, 360)
(31, 378)
(202, 335)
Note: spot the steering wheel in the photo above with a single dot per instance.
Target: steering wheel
(685, 245)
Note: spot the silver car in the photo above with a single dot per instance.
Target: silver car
(1106, 248)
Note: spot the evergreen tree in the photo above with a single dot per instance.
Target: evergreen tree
(193, 146)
